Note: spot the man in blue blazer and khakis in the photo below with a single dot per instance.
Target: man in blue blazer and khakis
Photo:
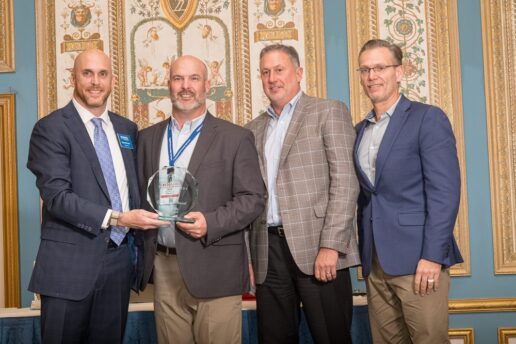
(84, 158)
(407, 165)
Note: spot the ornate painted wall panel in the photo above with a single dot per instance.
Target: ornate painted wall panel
(499, 44)
(144, 37)
(7, 62)
(428, 34)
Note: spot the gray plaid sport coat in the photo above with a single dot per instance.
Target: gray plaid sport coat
(317, 186)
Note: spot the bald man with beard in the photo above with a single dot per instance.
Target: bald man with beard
(83, 157)
(200, 269)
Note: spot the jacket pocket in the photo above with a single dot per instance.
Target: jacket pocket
(412, 219)
(320, 209)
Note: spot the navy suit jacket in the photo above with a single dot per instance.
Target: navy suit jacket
(410, 211)
(75, 202)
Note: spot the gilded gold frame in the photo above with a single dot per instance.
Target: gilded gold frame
(499, 42)
(444, 80)
(506, 333)
(7, 59)
(466, 334)
(315, 70)
(491, 305)
(10, 201)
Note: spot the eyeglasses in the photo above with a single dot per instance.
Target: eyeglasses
(377, 69)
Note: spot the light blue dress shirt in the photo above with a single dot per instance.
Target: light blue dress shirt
(276, 132)
(166, 234)
(372, 139)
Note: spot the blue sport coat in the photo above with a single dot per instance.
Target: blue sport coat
(410, 211)
(75, 201)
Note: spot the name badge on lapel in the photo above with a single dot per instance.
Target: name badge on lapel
(125, 141)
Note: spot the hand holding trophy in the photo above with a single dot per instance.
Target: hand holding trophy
(172, 193)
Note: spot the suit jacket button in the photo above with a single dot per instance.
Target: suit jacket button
(263, 222)
(265, 196)
(106, 239)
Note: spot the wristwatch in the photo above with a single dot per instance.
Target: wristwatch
(113, 220)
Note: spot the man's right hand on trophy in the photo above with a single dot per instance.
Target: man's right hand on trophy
(196, 230)
(140, 219)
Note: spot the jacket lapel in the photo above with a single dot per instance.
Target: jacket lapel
(260, 139)
(128, 157)
(364, 180)
(157, 141)
(293, 129)
(396, 122)
(208, 133)
(78, 129)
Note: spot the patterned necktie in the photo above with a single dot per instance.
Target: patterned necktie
(106, 163)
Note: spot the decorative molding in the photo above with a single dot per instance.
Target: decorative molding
(7, 59)
(499, 44)
(465, 334)
(506, 335)
(432, 71)
(46, 56)
(314, 51)
(9, 196)
(484, 305)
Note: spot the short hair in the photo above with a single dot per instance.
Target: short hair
(396, 51)
(287, 49)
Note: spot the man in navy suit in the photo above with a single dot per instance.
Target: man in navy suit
(407, 165)
(84, 159)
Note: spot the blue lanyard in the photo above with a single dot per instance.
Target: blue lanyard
(172, 158)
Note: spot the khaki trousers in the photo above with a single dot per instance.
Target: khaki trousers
(183, 318)
(397, 315)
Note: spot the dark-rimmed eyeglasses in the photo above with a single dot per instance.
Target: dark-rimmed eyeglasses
(377, 69)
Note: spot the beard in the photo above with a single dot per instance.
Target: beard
(91, 102)
(178, 104)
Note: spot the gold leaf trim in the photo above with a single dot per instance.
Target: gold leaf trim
(499, 44)
(7, 59)
(485, 305)
(10, 201)
(505, 334)
(465, 334)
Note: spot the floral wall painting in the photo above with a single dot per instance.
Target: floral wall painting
(144, 37)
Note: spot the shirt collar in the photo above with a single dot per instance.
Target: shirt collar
(287, 108)
(189, 125)
(87, 116)
(390, 111)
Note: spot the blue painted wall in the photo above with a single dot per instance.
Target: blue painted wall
(482, 282)
(23, 84)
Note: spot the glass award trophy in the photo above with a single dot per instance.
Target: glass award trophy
(172, 193)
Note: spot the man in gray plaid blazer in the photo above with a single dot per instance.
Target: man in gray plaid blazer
(304, 243)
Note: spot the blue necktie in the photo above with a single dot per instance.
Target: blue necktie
(106, 163)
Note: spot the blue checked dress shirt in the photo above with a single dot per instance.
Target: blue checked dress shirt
(108, 170)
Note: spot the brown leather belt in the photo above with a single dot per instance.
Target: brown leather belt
(166, 250)
(278, 230)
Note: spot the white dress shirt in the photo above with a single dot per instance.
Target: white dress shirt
(116, 153)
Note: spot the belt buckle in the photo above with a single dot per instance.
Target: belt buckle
(281, 232)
